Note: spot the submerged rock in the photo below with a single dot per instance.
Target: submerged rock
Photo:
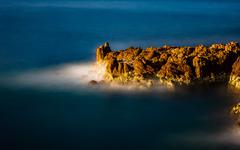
(172, 64)
(92, 83)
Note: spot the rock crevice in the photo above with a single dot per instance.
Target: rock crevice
(173, 65)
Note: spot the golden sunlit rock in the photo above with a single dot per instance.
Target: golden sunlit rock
(235, 74)
(236, 109)
(172, 64)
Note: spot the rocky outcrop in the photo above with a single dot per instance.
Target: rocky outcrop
(102, 51)
(236, 113)
(173, 65)
(235, 74)
(236, 109)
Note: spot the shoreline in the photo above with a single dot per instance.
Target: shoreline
(170, 66)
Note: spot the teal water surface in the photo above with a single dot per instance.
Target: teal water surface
(35, 35)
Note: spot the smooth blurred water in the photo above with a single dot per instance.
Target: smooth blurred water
(35, 35)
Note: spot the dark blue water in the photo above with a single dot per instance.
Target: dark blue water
(42, 34)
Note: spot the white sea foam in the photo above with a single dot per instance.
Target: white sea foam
(71, 76)
(229, 136)
(62, 76)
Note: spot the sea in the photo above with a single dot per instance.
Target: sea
(47, 57)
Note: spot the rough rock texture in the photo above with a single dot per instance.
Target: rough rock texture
(236, 109)
(102, 51)
(173, 65)
(236, 113)
(235, 74)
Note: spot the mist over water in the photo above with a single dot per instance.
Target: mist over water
(62, 76)
(197, 117)
(47, 58)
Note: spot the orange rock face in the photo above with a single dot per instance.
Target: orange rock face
(102, 51)
(235, 74)
(179, 65)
